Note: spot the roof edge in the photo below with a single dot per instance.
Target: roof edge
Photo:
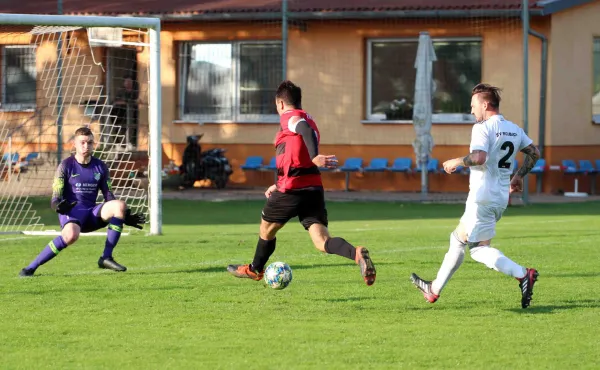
(554, 6)
(348, 15)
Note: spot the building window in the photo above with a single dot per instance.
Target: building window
(223, 82)
(391, 78)
(18, 77)
(596, 94)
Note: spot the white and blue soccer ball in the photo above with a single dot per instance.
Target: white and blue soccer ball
(278, 275)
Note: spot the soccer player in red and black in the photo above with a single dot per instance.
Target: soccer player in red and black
(299, 190)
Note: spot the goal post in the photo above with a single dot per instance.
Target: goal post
(61, 72)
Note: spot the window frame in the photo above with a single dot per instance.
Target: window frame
(16, 107)
(595, 40)
(236, 117)
(439, 118)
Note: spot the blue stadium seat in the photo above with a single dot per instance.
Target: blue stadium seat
(253, 163)
(32, 159)
(432, 166)
(377, 165)
(352, 164)
(401, 165)
(515, 166)
(31, 156)
(569, 166)
(539, 166)
(586, 166)
(538, 170)
(14, 158)
(272, 166)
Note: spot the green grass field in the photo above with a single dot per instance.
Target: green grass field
(178, 308)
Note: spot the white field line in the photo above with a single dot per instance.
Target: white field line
(14, 238)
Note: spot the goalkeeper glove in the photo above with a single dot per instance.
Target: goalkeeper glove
(63, 207)
(135, 220)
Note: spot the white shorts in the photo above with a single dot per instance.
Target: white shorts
(479, 221)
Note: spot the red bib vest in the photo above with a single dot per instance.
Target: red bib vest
(295, 169)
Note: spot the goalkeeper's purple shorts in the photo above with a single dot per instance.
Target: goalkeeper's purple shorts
(88, 218)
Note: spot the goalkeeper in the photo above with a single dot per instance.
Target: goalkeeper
(74, 191)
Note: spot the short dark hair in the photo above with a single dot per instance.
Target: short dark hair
(290, 94)
(84, 131)
(489, 93)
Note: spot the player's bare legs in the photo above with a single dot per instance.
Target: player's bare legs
(264, 249)
(333, 245)
(70, 233)
(112, 212)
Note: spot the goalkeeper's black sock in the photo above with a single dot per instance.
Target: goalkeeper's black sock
(340, 247)
(264, 250)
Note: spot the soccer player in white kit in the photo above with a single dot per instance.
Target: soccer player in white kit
(495, 143)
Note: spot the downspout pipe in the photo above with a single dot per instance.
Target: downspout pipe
(543, 94)
(543, 89)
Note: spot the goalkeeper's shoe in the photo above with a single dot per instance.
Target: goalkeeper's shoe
(26, 272)
(425, 288)
(110, 264)
(526, 286)
(245, 271)
(367, 269)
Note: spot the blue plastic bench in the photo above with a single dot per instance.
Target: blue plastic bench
(401, 165)
(253, 163)
(353, 164)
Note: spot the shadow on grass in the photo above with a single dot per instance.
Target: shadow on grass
(108, 289)
(195, 270)
(223, 268)
(345, 300)
(547, 235)
(327, 265)
(573, 275)
(562, 306)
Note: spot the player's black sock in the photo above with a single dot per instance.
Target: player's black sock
(264, 250)
(340, 247)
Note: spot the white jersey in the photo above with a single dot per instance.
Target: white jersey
(501, 140)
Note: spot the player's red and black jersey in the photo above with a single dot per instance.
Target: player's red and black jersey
(295, 168)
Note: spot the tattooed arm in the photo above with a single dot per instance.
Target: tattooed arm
(475, 158)
(532, 154)
(478, 148)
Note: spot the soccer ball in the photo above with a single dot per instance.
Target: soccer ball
(278, 275)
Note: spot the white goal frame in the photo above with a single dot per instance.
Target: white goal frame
(154, 81)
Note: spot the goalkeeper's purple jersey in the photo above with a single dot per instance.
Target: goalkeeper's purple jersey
(74, 181)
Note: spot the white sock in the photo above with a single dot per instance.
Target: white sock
(494, 259)
(452, 261)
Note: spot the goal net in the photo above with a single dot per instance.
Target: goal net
(62, 73)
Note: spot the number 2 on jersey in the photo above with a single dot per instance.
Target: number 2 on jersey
(507, 145)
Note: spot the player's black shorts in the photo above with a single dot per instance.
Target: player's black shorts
(308, 205)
